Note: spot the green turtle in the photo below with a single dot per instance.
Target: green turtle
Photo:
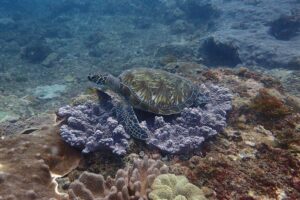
(150, 90)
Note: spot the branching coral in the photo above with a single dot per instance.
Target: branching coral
(170, 186)
(131, 183)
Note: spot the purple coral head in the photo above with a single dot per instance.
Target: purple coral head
(188, 131)
(91, 128)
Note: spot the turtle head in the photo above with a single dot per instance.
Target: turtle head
(105, 80)
(99, 79)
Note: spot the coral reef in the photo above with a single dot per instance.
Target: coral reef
(199, 11)
(172, 187)
(30, 163)
(133, 182)
(90, 127)
(244, 157)
(60, 42)
(253, 158)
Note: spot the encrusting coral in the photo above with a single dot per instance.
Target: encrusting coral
(133, 182)
(30, 162)
(172, 187)
(91, 127)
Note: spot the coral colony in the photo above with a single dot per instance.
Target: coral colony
(130, 183)
(90, 127)
(145, 177)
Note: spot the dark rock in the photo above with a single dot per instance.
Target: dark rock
(57, 33)
(285, 27)
(69, 6)
(199, 10)
(173, 14)
(36, 53)
(174, 50)
(217, 53)
(102, 50)
(94, 39)
(142, 23)
(7, 24)
(181, 26)
(294, 63)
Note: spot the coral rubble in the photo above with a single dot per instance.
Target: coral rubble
(134, 182)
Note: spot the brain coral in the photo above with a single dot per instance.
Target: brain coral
(91, 127)
(133, 182)
(172, 187)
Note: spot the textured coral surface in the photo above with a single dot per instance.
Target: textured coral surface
(169, 187)
(29, 163)
(91, 128)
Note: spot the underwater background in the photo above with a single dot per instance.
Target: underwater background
(57, 137)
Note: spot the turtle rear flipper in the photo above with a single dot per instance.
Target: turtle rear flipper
(128, 119)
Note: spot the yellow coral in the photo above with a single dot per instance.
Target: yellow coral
(172, 187)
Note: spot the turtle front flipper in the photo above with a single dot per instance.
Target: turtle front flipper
(128, 119)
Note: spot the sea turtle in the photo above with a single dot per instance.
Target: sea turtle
(150, 90)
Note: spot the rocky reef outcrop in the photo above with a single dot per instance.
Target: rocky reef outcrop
(30, 162)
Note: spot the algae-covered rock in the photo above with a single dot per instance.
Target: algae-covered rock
(170, 186)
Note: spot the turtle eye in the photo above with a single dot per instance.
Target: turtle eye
(93, 78)
(90, 77)
(101, 79)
